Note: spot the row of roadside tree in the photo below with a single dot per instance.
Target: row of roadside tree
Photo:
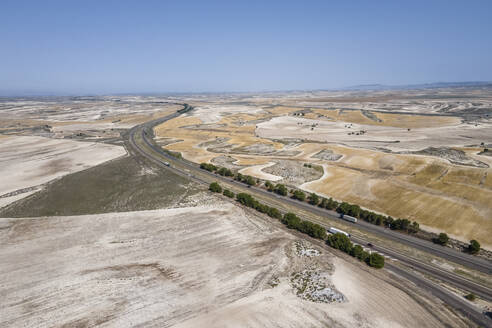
(292, 221)
(403, 225)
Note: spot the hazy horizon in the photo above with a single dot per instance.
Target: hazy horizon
(66, 48)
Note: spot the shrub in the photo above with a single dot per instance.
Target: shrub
(249, 180)
(331, 204)
(356, 251)
(208, 167)
(225, 172)
(291, 220)
(228, 193)
(299, 195)
(474, 247)
(239, 177)
(215, 187)
(246, 199)
(313, 199)
(375, 260)
(281, 190)
(274, 213)
(471, 297)
(269, 186)
(340, 241)
(442, 239)
(312, 229)
(349, 209)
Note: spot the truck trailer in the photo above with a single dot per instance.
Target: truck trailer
(335, 230)
(348, 218)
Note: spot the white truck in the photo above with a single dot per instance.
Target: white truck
(348, 218)
(335, 230)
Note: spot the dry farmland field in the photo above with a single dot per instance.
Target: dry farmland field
(93, 233)
(415, 154)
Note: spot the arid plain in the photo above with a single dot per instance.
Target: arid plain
(415, 154)
(90, 236)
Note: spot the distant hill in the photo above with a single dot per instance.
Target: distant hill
(420, 86)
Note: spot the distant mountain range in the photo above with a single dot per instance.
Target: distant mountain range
(419, 86)
(362, 87)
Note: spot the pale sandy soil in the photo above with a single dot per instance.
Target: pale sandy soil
(187, 267)
(256, 170)
(29, 161)
(388, 137)
(428, 189)
(214, 113)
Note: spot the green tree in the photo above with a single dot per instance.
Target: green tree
(228, 193)
(442, 239)
(375, 260)
(291, 220)
(249, 180)
(323, 202)
(208, 167)
(340, 241)
(332, 204)
(215, 187)
(474, 247)
(274, 213)
(269, 186)
(313, 199)
(299, 195)
(356, 251)
(246, 199)
(281, 190)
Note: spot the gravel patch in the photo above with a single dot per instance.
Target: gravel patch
(294, 172)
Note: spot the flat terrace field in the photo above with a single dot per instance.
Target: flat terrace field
(409, 154)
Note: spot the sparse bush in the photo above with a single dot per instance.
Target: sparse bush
(340, 241)
(474, 247)
(375, 260)
(249, 180)
(349, 209)
(274, 213)
(228, 193)
(215, 187)
(209, 167)
(291, 220)
(331, 204)
(442, 239)
(313, 199)
(281, 190)
(299, 195)
(225, 172)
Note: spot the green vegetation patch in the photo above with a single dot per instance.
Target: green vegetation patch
(125, 184)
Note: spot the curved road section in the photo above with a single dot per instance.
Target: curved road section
(139, 139)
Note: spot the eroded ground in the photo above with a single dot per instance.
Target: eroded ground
(416, 154)
(43, 139)
(191, 267)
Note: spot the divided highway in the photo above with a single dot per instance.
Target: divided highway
(140, 140)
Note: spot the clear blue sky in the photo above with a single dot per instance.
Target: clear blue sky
(81, 47)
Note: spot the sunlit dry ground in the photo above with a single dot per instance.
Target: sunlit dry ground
(213, 266)
(442, 190)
